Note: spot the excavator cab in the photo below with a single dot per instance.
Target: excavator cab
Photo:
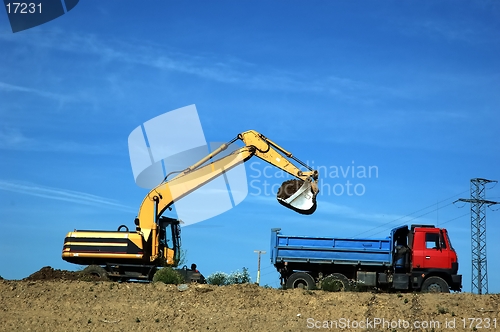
(298, 195)
(169, 239)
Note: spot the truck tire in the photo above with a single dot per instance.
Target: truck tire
(336, 282)
(301, 280)
(96, 271)
(435, 285)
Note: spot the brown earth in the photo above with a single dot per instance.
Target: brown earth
(48, 273)
(288, 188)
(52, 300)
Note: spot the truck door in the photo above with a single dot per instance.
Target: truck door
(430, 250)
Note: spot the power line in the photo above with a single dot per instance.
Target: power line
(463, 215)
(423, 209)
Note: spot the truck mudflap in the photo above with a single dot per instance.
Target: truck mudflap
(456, 282)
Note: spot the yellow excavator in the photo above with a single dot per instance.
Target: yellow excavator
(124, 254)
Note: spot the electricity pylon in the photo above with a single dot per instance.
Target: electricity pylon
(479, 280)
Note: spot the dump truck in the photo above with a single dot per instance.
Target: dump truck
(416, 258)
(137, 254)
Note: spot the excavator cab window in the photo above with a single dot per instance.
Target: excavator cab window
(165, 234)
(168, 232)
(163, 238)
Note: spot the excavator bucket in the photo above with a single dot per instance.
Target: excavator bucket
(298, 195)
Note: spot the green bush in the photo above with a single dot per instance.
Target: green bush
(236, 277)
(217, 278)
(168, 275)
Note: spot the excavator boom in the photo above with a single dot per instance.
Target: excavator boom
(298, 195)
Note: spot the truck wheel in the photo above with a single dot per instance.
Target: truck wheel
(96, 271)
(301, 280)
(336, 282)
(435, 285)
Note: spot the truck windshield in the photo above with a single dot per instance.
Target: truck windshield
(448, 239)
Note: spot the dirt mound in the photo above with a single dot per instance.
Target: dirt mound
(64, 305)
(48, 273)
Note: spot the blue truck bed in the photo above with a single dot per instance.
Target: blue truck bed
(329, 250)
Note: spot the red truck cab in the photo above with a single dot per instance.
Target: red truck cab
(433, 256)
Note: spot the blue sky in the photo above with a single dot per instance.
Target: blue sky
(410, 88)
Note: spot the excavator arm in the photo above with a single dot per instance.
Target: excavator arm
(299, 195)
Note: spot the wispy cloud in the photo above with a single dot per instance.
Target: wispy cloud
(447, 31)
(59, 194)
(337, 210)
(463, 29)
(14, 139)
(214, 67)
(250, 76)
(16, 88)
(380, 219)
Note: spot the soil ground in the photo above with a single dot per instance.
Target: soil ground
(54, 300)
